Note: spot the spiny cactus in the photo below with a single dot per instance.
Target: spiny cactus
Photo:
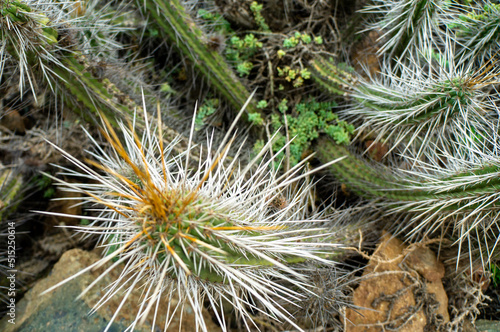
(336, 79)
(464, 198)
(477, 30)
(53, 40)
(437, 108)
(43, 41)
(422, 108)
(218, 233)
(34, 33)
(323, 302)
(214, 232)
(407, 26)
(176, 24)
(425, 107)
(27, 35)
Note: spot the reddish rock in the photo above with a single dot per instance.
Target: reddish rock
(376, 150)
(12, 120)
(425, 262)
(387, 290)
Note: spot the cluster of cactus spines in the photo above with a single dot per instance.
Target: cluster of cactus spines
(53, 40)
(328, 294)
(465, 197)
(215, 232)
(176, 24)
(477, 30)
(219, 233)
(42, 39)
(421, 108)
(70, 66)
(406, 26)
(417, 110)
(27, 36)
(436, 109)
(35, 36)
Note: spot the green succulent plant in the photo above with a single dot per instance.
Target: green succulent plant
(211, 234)
(477, 29)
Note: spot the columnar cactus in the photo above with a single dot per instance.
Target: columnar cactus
(28, 36)
(50, 44)
(425, 108)
(477, 31)
(463, 198)
(407, 26)
(176, 24)
(436, 110)
(218, 232)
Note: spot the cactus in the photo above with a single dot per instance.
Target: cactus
(439, 112)
(465, 197)
(40, 44)
(175, 24)
(443, 115)
(407, 26)
(11, 187)
(335, 79)
(477, 30)
(420, 110)
(214, 232)
(38, 38)
(28, 36)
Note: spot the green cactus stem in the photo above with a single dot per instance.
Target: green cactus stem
(99, 96)
(376, 181)
(407, 26)
(415, 110)
(478, 30)
(11, 186)
(64, 67)
(176, 24)
(336, 79)
(467, 200)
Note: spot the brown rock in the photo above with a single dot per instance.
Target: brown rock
(388, 286)
(437, 289)
(425, 262)
(387, 256)
(12, 120)
(385, 293)
(364, 54)
(376, 150)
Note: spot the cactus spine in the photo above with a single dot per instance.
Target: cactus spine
(209, 233)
